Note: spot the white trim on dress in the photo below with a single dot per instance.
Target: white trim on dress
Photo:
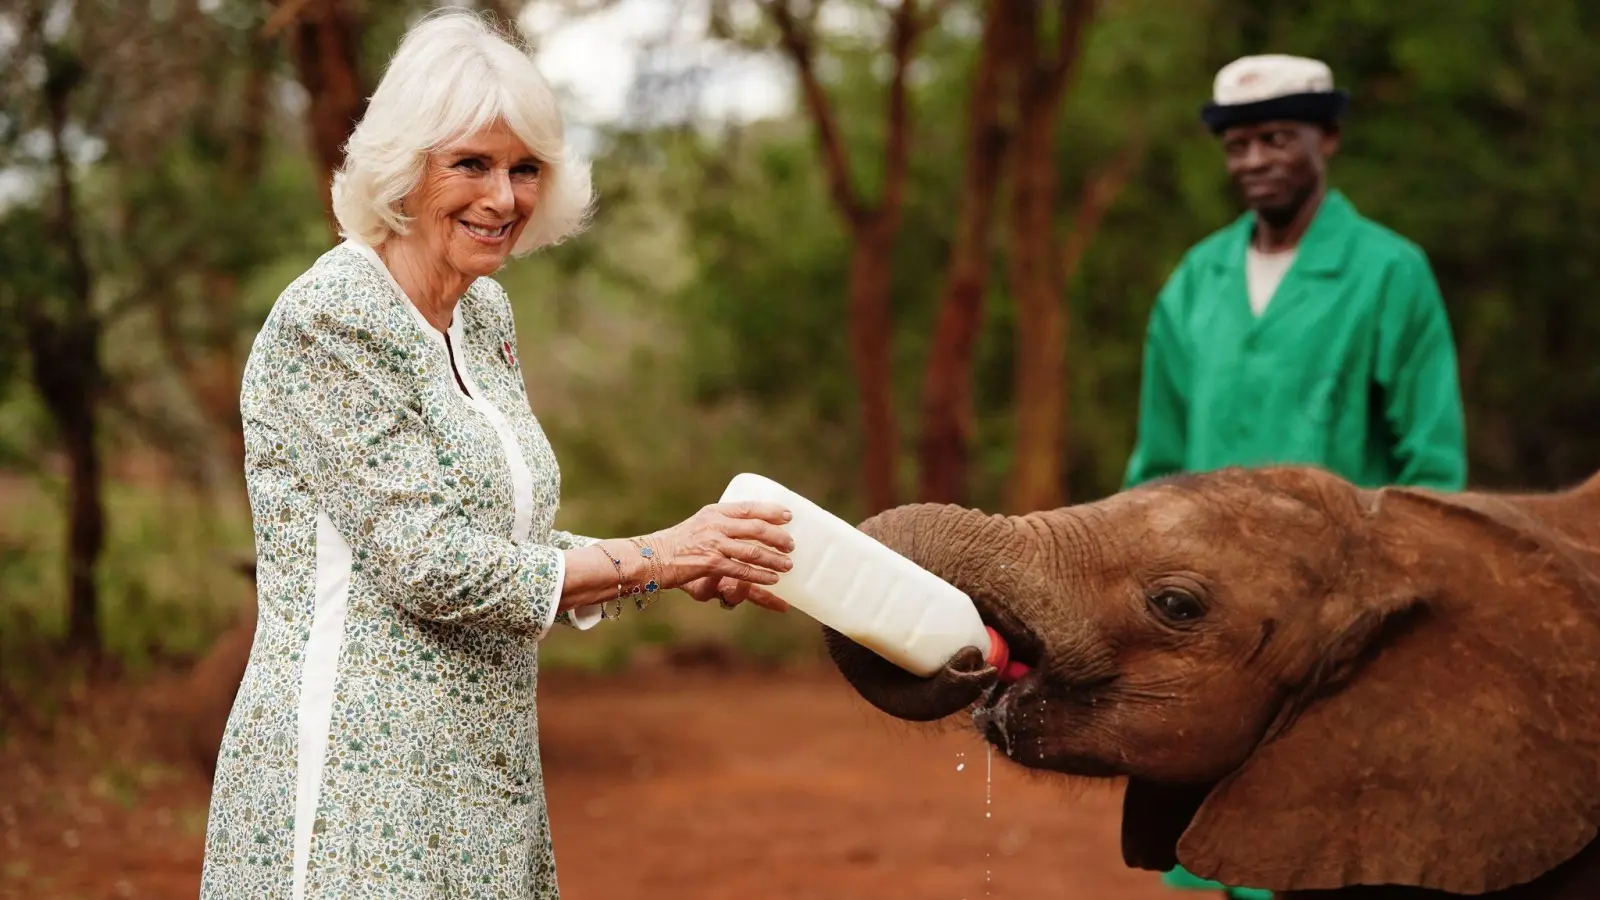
(318, 679)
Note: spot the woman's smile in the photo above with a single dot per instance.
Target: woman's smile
(492, 235)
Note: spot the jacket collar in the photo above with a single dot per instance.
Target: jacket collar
(1325, 247)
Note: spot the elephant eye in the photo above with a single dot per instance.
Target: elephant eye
(1177, 607)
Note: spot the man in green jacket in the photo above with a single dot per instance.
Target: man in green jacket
(1303, 332)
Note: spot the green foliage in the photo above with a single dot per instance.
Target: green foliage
(777, 259)
(27, 262)
(166, 586)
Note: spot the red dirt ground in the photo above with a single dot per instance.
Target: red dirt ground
(662, 783)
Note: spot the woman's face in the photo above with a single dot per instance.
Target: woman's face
(475, 199)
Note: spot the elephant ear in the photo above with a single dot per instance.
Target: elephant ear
(1154, 817)
(1460, 749)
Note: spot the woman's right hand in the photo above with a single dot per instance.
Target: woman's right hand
(743, 541)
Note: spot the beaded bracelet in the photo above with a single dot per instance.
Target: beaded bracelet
(622, 590)
(654, 564)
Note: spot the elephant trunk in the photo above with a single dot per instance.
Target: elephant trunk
(964, 547)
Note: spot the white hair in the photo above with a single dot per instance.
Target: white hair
(453, 75)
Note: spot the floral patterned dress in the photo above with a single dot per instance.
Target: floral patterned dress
(384, 741)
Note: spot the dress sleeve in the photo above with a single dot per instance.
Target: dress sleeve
(584, 617)
(351, 410)
(566, 540)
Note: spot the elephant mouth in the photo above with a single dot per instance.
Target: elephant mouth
(991, 715)
(1019, 723)
(1024, 646)
(1027, 720)
(1010, 714)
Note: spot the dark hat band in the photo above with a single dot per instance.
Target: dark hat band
(1319, 106)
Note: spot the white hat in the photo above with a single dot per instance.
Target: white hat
(1273, 86)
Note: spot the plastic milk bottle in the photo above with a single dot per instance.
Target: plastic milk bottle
(869, 593)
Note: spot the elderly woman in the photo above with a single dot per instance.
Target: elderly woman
(384, 741)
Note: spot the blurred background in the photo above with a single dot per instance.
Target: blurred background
(849, 244)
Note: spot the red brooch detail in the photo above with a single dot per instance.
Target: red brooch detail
(511, 358)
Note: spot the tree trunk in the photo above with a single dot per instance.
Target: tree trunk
(85, 524)
(1038, 480)
(1039, 355)
(873, 228)
(947, 415)
(325, 43)
(67, 371)
(870, 276)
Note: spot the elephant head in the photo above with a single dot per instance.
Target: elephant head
(1307, 685)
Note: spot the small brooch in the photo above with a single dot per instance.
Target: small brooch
(511, 358)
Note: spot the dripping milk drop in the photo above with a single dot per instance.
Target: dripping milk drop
(988, 787)
(988, 798)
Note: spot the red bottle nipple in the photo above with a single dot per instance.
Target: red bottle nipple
(999, 656)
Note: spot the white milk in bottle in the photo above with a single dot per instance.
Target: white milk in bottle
(868, 592)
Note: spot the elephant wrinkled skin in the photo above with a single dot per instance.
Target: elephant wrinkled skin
(1311, 688)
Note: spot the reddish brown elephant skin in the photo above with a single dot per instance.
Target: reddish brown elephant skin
(1321, 690)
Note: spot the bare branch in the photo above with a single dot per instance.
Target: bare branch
(286, 14)
(124, 306)
(1074, 23)
(935, 13)
(906, 28)
(151, 284)
(1100, 191)
(29, 40)
(63, 77)
(174, 440)
(797, 43)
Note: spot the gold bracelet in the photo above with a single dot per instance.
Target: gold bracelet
(622, 590)
(653, 563)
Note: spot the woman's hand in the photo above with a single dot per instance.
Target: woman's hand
(725, 542)
(731, 592)
(726, 551)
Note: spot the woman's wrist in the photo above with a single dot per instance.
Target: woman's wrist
(588, 579)
(612, 571)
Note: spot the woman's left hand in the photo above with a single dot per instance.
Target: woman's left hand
(731, 592)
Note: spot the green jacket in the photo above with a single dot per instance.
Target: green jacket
(1351, 367)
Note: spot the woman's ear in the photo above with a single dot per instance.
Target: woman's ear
(1461, 752)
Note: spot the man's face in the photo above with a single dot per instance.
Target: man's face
(1277, 165)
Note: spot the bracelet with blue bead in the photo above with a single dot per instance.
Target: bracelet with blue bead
(653, 585)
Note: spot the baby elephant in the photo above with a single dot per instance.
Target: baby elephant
(1311, 688)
